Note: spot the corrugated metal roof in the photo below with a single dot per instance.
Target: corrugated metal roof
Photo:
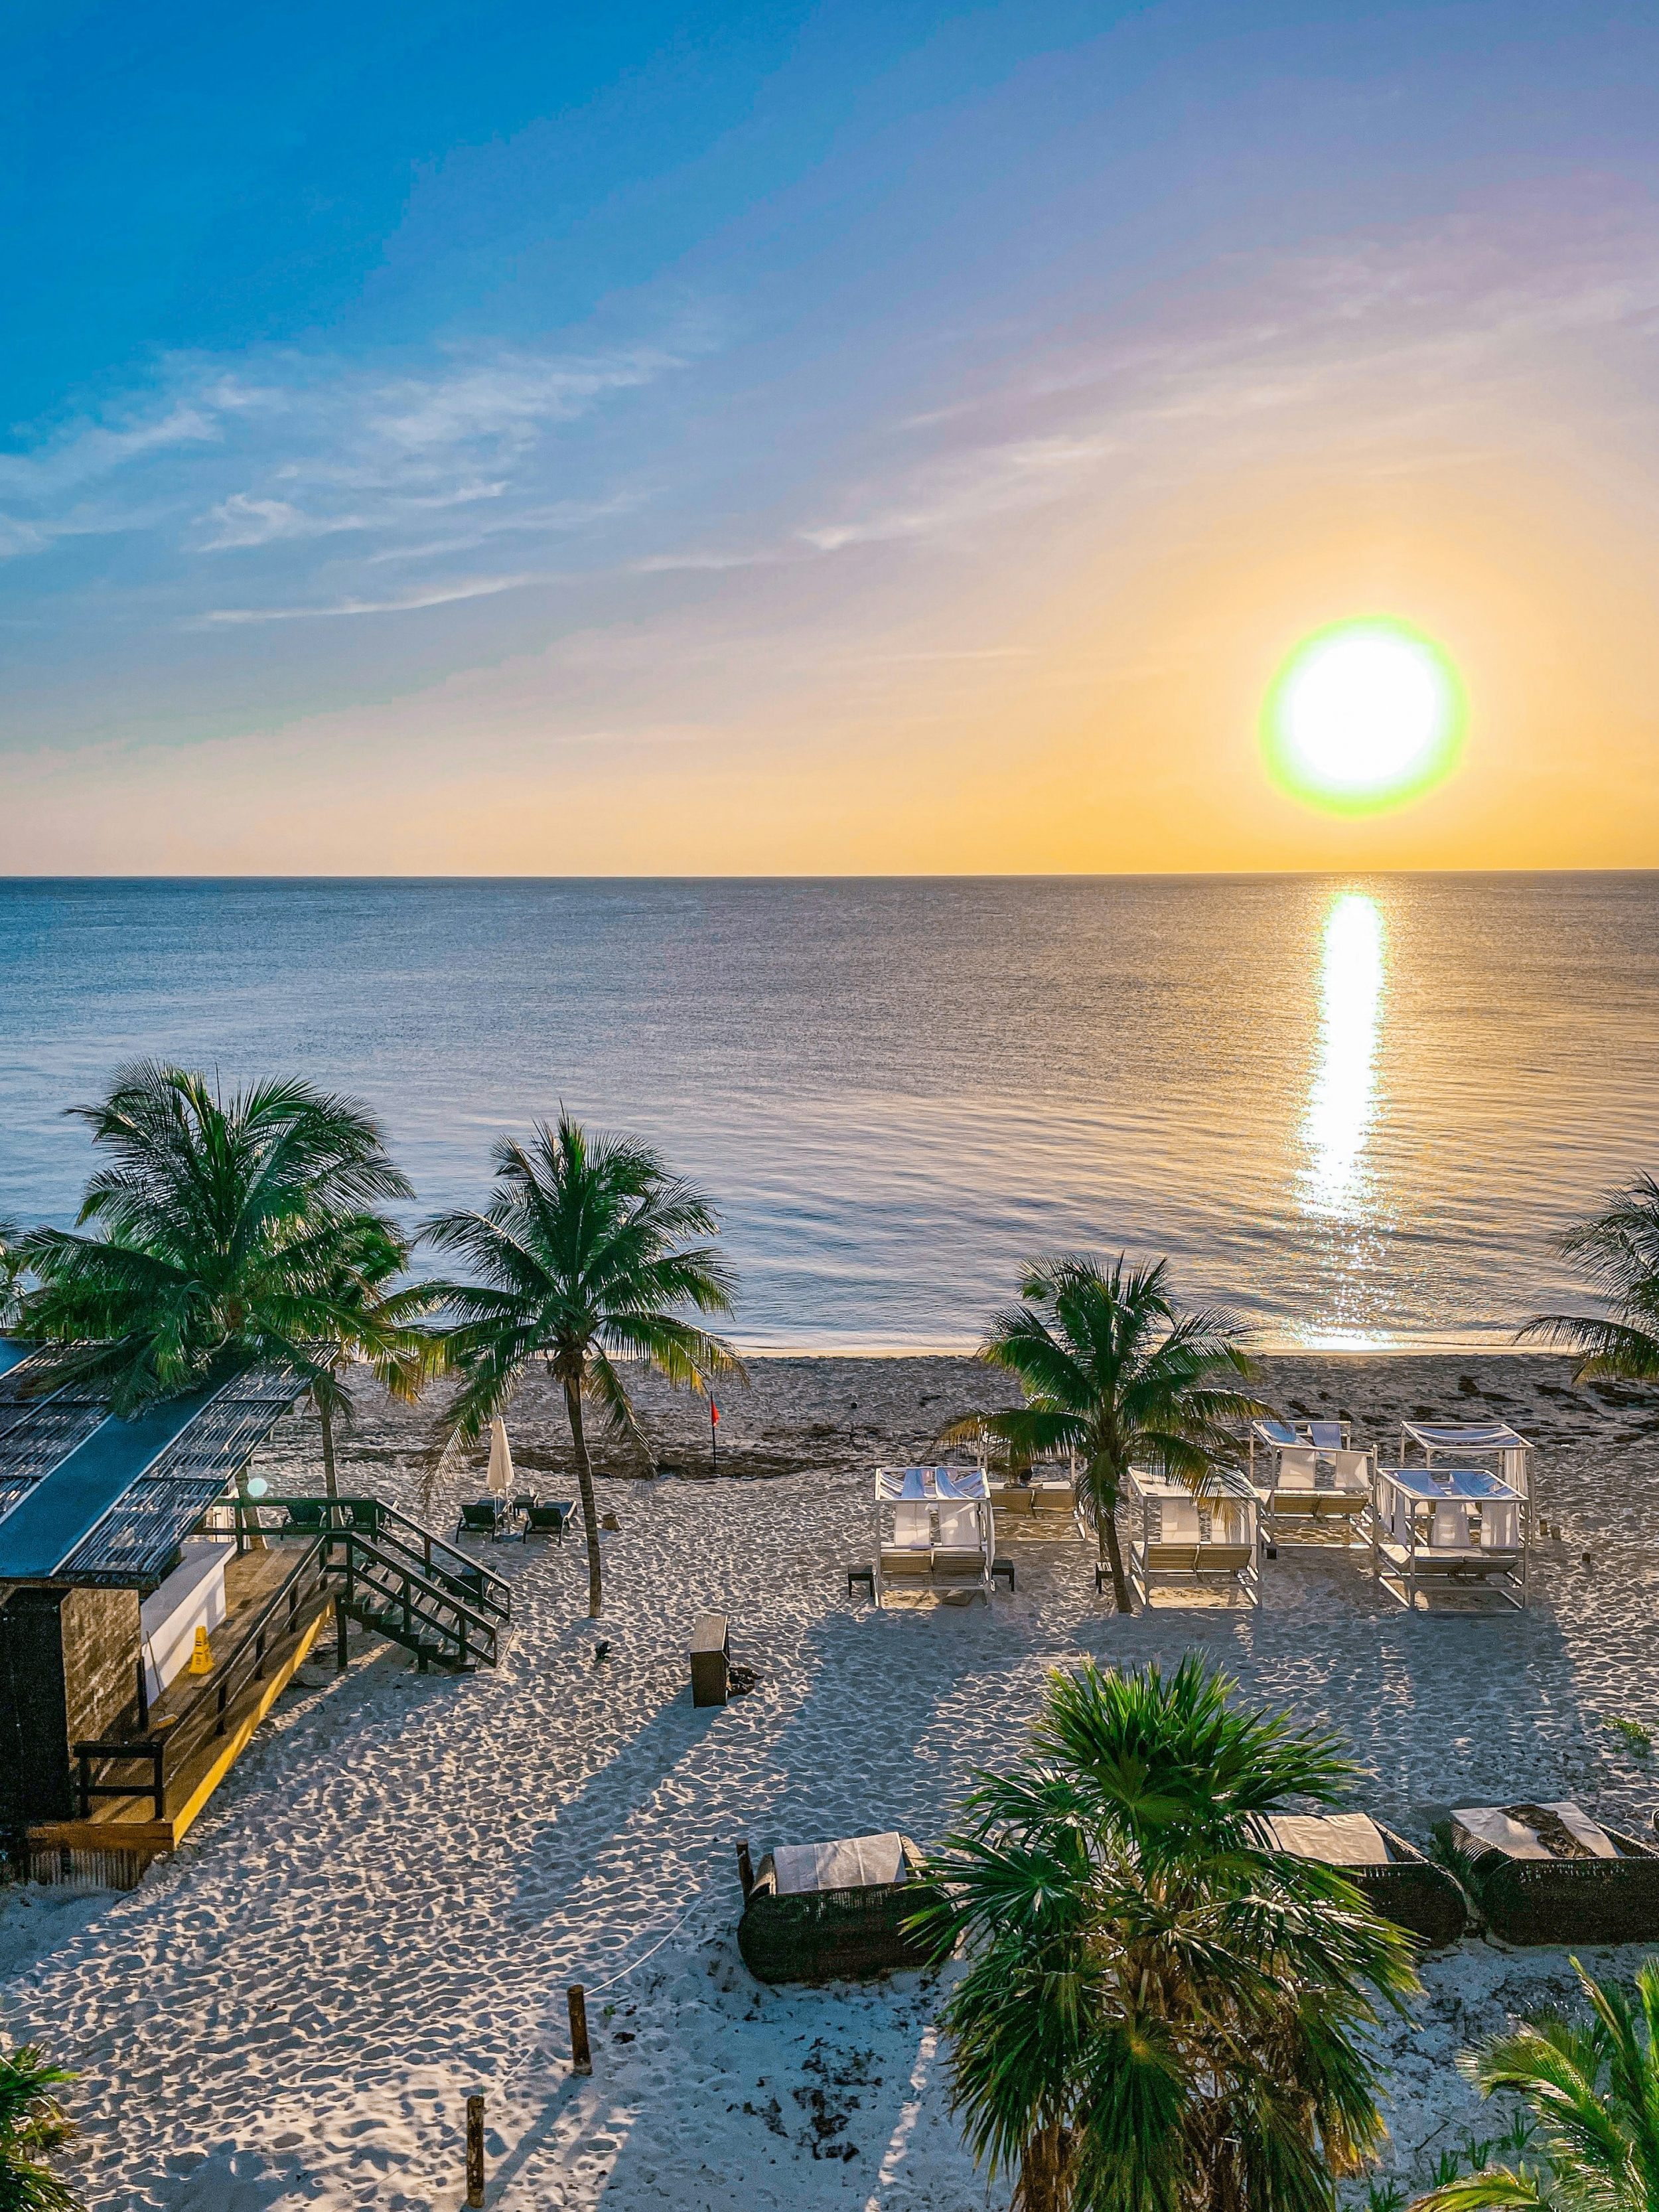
(89, 1498)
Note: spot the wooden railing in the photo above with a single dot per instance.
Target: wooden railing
(208, 1711)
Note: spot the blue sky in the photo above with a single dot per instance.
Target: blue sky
(624, 404)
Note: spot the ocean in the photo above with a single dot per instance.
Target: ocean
(1356, 1109)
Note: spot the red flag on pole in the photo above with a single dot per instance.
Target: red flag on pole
(714, 1414)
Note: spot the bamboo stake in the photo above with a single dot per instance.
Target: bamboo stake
(581, 2057)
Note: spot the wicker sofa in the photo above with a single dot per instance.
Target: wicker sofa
(1532, 1885)
(842, 1930)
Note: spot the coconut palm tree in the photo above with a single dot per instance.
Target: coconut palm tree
(1617, 1251)
(1160, 2013)
(1115, 1372)
(1594, 2090)
(583, 1258)
(231, 1229)
(12, 1268)
(32, 2128)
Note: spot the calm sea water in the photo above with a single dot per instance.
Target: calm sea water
(1357, 1108)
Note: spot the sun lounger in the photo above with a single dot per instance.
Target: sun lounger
(485, 1516)
(1397, 1880)
(1191, 1537)
(1328, 1436)
(822, 1912)
(550, 1520)
(1548, 1873)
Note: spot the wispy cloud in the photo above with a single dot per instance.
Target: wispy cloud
(302, 474)
(1414, 339)
(425, 595)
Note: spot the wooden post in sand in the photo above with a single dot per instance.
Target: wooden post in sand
(475, 2175)
(582, 2058)
(745, 1869)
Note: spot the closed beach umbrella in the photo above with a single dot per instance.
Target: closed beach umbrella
(500, 1459)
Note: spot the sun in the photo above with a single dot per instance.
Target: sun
(1364, 714)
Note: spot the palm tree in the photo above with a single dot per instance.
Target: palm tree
(583, 1258)
(1617, 1251)
(12, 1268)
(1115, 1372)
(1160, 2013)
(32, 2127)
(232, 1230)
(1594, 2091)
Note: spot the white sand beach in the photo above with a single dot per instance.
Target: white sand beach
(380, 1911)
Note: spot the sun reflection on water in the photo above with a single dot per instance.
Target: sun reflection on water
(1342, 1103)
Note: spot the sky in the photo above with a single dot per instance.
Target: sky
(856, 439)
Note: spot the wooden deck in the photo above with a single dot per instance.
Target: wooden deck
(123, 1835)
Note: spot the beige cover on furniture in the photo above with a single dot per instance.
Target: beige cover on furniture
(1491, 1824)
(1340, 1839)
(851, 1863)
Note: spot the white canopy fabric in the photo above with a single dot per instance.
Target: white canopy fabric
(1465, 1436)
(500, 1459)
(853, 1862)
(1438, 1483)
(931, 1483)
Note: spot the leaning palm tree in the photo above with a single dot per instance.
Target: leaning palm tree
(1115, 1372)
(1160, 2011)
(1617, 1251)
(230, 1229)
(583, 1258)
(33, 2128)
(1594, 2090)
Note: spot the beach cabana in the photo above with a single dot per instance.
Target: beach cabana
(934, 1529)
(1549, 1874)
(1507, 1452)
(1396, 1880)
(1187, 1539)
(1319, 1493)
(1271, 1436)
(1456, 1526)
(824, 1912)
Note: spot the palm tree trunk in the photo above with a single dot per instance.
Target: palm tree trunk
(573, 1406)
(329, 1483)
(1106, 1531)
(1042, 2185)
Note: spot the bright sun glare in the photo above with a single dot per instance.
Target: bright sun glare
(1364, 714)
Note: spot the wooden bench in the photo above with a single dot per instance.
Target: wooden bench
(711, 1658)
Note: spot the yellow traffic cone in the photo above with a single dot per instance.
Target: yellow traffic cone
(201, 1659)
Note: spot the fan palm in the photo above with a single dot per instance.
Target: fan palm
(232, 1230)
(32, 2127)
(1113, 1371)
(1160, 2013)
(583, 1258)
(1593, 2089)
(1617, 1251)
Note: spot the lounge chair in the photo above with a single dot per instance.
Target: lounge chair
(1313, 1485)
(486, 1517)
(1181, 1534)
(550, 1520)
(822, 1913)
(1328, 1436)
(961, 1555)
(1548, 1873)
(1396, 1879)
(909, 1557)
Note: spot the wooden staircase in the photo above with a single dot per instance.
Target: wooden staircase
(399, 1580)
